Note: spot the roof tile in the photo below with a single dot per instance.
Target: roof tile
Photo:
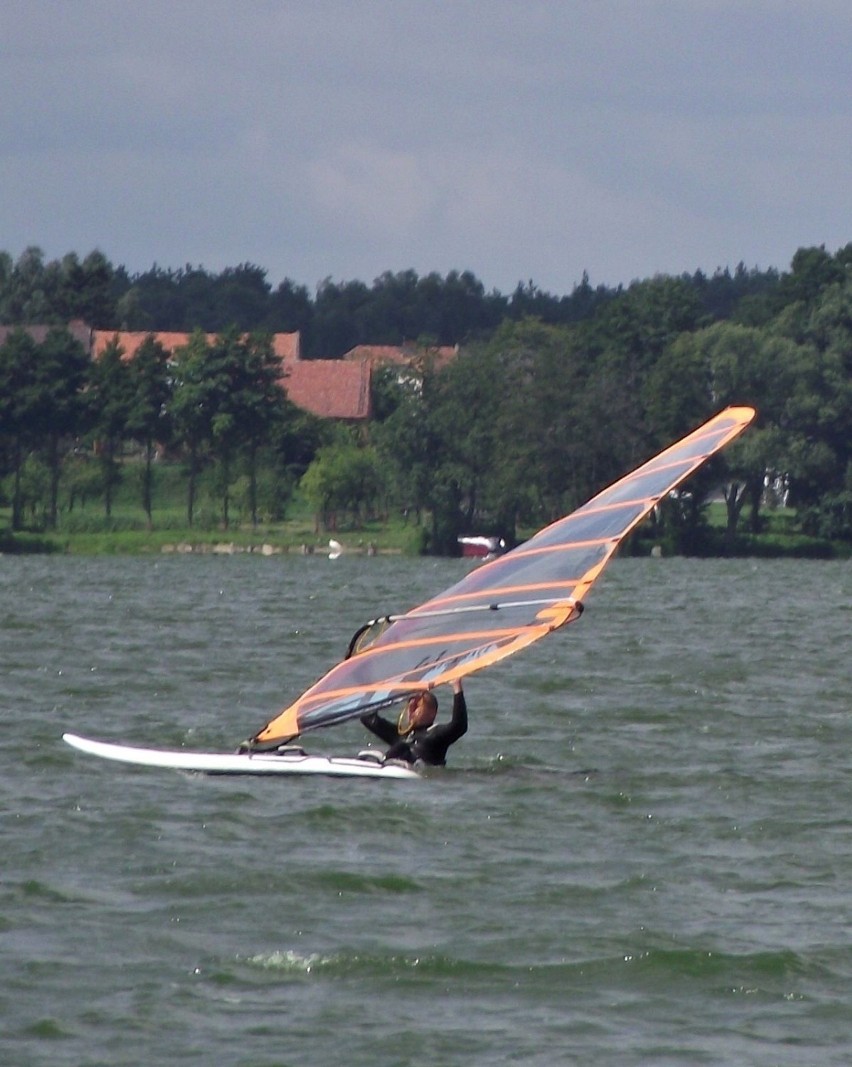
(330, 388)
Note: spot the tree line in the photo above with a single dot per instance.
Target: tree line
(67, 421)
(549, 398)
(396, 307)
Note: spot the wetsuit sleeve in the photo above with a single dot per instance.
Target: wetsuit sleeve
(457, 726)
(384, 730)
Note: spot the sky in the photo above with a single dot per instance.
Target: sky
(523, 141)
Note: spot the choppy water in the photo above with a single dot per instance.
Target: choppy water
(640, 854)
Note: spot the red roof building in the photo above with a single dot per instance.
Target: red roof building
(78, 330)
(285, 345)
(401, 355)
(328, 388)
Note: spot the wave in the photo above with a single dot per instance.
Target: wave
(769, 971)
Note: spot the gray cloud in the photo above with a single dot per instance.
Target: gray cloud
(529, 141)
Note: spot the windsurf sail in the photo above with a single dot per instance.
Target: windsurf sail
(503, 606)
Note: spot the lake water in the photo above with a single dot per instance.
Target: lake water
(640, 854)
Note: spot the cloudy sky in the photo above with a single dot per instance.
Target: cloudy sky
(522, 141)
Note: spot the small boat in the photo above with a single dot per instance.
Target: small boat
(476, 547)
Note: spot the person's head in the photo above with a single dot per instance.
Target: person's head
(420, 710)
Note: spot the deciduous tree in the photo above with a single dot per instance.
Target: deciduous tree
(148, 417)
(110, 397)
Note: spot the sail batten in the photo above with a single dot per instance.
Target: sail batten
(532, 591)
(489, 606)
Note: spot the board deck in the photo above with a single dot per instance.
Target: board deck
(268, 763)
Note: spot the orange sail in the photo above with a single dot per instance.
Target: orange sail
(505, 605)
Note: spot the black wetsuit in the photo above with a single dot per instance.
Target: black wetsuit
(426, 743)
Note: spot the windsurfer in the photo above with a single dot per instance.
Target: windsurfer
(416, 737)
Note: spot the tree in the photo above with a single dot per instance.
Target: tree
(226, 381)
(492, 430)
(728, 363)
(62, 371)
(629, 336)
(24, 299)
(819, 410)
(41, 387)
(82, 291)
(539, 435)
(290, 310)
(191, 410)
(18, 404)
(110, 399)
(260, 403)
(238, 296)
(342, 477)
(92, 298)
(413, 443)
(338, 309)
(227, 399)
(148, 415)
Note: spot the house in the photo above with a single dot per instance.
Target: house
(285, 345)
(78, 330)
(401, 355)
(328, 388)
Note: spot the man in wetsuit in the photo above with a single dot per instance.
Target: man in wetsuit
(416, 737)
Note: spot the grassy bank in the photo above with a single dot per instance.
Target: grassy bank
(123, 536)
(297, 535)
(85, 530)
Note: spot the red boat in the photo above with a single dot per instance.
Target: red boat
(482, 547)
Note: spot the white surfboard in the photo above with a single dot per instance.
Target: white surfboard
(295, 762)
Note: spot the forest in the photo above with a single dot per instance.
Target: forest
(550, 397)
